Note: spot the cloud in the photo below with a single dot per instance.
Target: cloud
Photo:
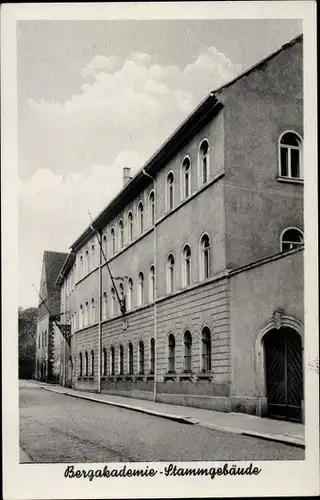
(71, 154)
(123, 103)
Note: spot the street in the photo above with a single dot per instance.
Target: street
(58, 428)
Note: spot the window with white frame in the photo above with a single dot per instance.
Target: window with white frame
(104, 362)
(86, 314)
(151, 283)
(113, 241)
(140, 288)
(151, 208)
(121, 293)
(206, 349)
(187, 340)
(130, 359)
(80, 365)
(186, 266)
(104, 248)
(121, 363)
(171, 353)
(81, 267)
(290, 155)
(112, 361)
(87, 262)
(81, 316)
(129, 294)
(170, 273)
(203, 162)
(121, 239)
(92, 363)
(93, 256)
(152, 356)
(141, 357)
(170, 191)
(92, 318)
(140, 217)
(204, 257)
(86, 364)
(104, 306)
(186, 178)
(290, 238)
(130, 226)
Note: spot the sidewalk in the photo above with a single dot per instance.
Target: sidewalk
(237, 423)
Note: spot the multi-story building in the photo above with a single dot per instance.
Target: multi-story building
(47, 341)
(188, 287)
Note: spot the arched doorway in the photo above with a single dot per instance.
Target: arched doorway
(284, 373)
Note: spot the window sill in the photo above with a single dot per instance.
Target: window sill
(290, 180)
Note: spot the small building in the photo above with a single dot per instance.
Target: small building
(188, 287)
(47, 341)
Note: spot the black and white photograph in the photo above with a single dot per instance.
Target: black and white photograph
(162, 168)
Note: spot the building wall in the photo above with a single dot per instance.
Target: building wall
(258, 108)
(255, 294)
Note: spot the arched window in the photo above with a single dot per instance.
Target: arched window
(104, 362)
(87, 262)
(206, 349)
(121, 359)
(112, 361)
(204, 257)
(130, 359)
(93, 256)
(152, 356)
(290, 155)
(86, 314)
(140, 288)
(129, 294)
(121, 241)
(81, 317)
(204, 162)
(290, 238)
(186, 177)
(113, 241)
(151, 208)
(93, 315)
(80, 365)
(170, 273)
(187, 340)
(81, 267)
(113, 302)
(104, 306)
(92, 364)
(169, 191)
(130, 226)
(86, 361)
(141, 357)
(186, 266)
(171, 353)
(104, 248)
(140, 217)
(151, 284)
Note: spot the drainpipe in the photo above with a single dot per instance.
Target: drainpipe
(155, 286)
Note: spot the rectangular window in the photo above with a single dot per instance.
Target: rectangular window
(284, 162)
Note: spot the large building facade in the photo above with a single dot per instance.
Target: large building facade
(47, 341)
(188, 287)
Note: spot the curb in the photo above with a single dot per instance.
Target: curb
(279, 438)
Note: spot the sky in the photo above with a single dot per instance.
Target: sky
(97, 96)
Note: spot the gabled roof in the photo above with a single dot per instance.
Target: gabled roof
(205, 111)
(53, 262)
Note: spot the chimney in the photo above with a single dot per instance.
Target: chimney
(126, 176)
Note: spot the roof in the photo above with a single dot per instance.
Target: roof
(205, 111)
(53, 262)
